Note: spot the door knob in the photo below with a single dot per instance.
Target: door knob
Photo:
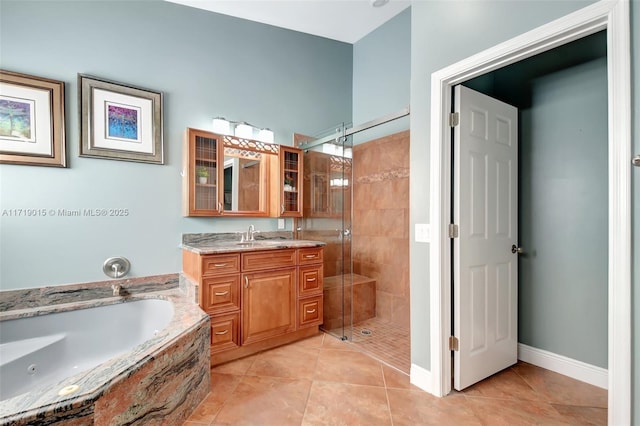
(516, 249)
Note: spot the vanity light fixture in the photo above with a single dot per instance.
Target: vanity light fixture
(266, 135)
(242, 129)
(222, 126)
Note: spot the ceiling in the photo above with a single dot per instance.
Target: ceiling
(343, 20)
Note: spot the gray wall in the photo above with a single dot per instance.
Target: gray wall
(207, 65)
(381, 76)
(563, 204)
(443, 33)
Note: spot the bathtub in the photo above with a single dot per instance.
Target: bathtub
(42, 350)
(140, 359)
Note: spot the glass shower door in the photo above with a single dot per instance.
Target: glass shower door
(327, 217)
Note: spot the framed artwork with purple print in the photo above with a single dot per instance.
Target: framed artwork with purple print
(31, 120)
(119, 121)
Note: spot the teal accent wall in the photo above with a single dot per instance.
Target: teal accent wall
(382, 75)
(206, 65)
(563, 220)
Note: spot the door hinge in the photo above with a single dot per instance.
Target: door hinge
(453, 230)
(454, 119)
(453, 343)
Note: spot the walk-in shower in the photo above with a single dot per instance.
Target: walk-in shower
(356, 186)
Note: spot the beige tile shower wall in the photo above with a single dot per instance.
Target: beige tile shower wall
(381, 222)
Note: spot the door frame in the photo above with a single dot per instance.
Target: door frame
(612, 16)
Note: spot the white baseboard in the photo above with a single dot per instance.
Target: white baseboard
(578, 370)
(420, 377)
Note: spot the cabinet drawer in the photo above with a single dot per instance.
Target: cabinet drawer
(225, 332)
(309, 280)
(220, 294)
(219, 264)
(310, 312)
(310, 255)
(268, 259)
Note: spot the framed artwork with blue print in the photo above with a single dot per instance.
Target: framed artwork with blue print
(32, 128)
(119, 121)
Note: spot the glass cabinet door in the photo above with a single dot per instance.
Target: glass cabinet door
(291, 178)
(202, 178)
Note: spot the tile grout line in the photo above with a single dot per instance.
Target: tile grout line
(313, 380)
(386, 393)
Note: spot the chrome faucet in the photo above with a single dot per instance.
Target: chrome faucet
(249, 235)
(251, 232)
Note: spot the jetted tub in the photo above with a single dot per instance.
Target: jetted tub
(42, 350)
(140, 359)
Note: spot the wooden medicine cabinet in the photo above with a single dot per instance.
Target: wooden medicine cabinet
(228, 176)
(225, 176)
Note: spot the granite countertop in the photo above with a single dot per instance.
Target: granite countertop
(217, 247)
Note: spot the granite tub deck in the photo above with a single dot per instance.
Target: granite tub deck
(161, 381)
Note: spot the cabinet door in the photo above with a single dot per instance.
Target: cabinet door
(202, 173)
(291, 182)
(268, 304)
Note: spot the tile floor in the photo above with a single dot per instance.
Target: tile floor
(387, 342)
(324, 381)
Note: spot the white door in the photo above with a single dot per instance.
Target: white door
(485, 210)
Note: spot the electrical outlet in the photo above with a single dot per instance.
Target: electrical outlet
(280, 223)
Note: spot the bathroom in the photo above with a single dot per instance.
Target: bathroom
(210, 65)
(246, 62)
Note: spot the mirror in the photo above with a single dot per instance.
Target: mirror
(243, 178)
(246, 176)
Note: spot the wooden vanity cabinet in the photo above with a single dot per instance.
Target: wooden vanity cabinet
(258, 299)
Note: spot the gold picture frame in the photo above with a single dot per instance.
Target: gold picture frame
(32, 120)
